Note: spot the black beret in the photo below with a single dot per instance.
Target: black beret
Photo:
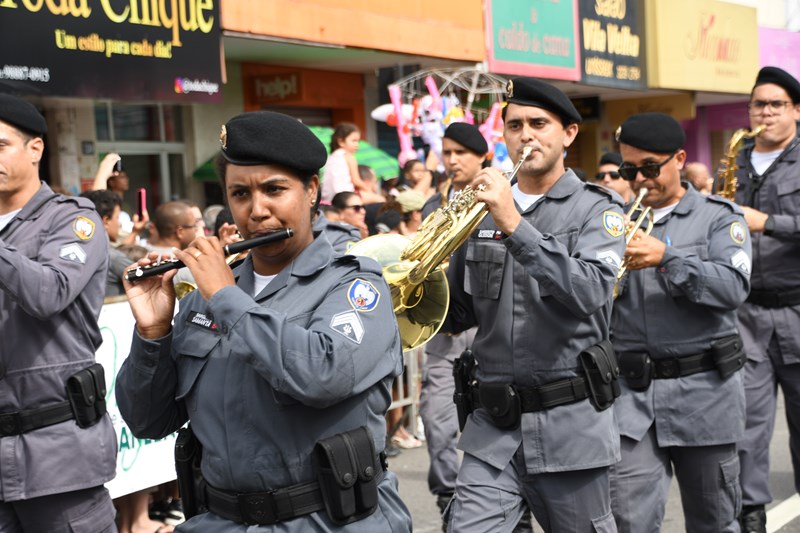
(611, 158)
(22, 115)
(780, 78)
(264, 137)
(533, 92)
(653, 132)
(467, 136)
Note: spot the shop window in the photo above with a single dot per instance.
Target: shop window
(138, 122)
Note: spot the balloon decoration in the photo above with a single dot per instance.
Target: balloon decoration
(426, 113)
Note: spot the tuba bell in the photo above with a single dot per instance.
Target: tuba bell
(644, 218)
(414, 268)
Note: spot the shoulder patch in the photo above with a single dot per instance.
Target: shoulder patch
(614, 223)
(83, 228)
(349, 325)
(738, 234)
(363, 295)
(741, 261)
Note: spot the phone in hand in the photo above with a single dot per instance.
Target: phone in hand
(118, 166)
(141, 202)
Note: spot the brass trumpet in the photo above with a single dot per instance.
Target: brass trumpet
(645, 216)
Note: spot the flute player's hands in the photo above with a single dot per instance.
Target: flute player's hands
(152, 300)
(206, 260)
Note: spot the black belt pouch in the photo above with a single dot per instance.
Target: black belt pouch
(86, 391)
(637, 369)
(348, 480)
(728, 355)
(188, 454)
(600, 365)
(502, 402)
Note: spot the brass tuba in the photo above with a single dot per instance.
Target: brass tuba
(645, 217)
(727, 171)
(414, 268)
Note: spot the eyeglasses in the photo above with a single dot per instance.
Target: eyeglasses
(356, 208)
(648, 170)
(756, 107)
(600, 176)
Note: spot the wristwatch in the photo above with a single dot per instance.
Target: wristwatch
(769, 225)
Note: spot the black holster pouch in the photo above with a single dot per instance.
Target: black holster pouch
(462, 397)
(86, 391)
(602, 371)
(347, 476)
(188, 453)
(503, 404)
(728, 355)
(637, 369)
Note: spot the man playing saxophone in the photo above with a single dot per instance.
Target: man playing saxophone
(769, 191)
(674, 331)
(536, 279)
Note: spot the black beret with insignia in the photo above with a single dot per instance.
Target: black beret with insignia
(653, 132)
(781, 78)
(22, 115)
(533, 92)
(264, 137)
(467, 136)
(610, 158)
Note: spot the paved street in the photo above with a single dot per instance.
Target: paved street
(411, 467)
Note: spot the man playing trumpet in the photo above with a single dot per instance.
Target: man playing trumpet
(674, 331)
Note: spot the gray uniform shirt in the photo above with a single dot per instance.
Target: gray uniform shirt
(776, 257)
(263, 379)
(339, 234)
(539, 297)
(679, 308)
(52, 282)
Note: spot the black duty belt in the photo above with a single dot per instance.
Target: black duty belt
(675, 367)
(273, 506)
(20, 422)
(545, 396)
(774, 299)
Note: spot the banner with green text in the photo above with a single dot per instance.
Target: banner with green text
(121, 49)
(533, 38)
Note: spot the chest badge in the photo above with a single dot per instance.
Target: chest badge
(202, 320)
(614, 223)
(83, 228)
(363, 296)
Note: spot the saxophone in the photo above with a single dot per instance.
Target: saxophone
(727, 171)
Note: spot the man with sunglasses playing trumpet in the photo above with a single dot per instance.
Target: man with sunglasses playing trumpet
(674, 331)
(769, 191)
(609, 177)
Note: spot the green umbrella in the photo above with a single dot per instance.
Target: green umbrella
(384, 165)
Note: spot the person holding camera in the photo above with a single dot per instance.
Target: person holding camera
(283, 365)
(674, 331)
(57, 444)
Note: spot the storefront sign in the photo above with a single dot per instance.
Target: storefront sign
(701, 45)
(278, 88)
(122, 49)
(778, 48)
(612, 47)
(533, 38)
(679, 106)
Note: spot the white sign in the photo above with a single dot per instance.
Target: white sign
(141, 463)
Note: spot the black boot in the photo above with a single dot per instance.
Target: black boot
(753, 519)
(442, 501)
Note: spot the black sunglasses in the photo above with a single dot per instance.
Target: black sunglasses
(356, 208)
(601, 175)
(628, 171)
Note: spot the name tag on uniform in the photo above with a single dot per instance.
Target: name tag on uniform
(202, 320)
(487, 234)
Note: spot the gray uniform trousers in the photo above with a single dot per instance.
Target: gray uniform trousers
(488, 499)
(707, 475)
(78, 511)
(762, 378)
(437, 410)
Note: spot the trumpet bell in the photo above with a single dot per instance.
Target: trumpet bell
(421, 308)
